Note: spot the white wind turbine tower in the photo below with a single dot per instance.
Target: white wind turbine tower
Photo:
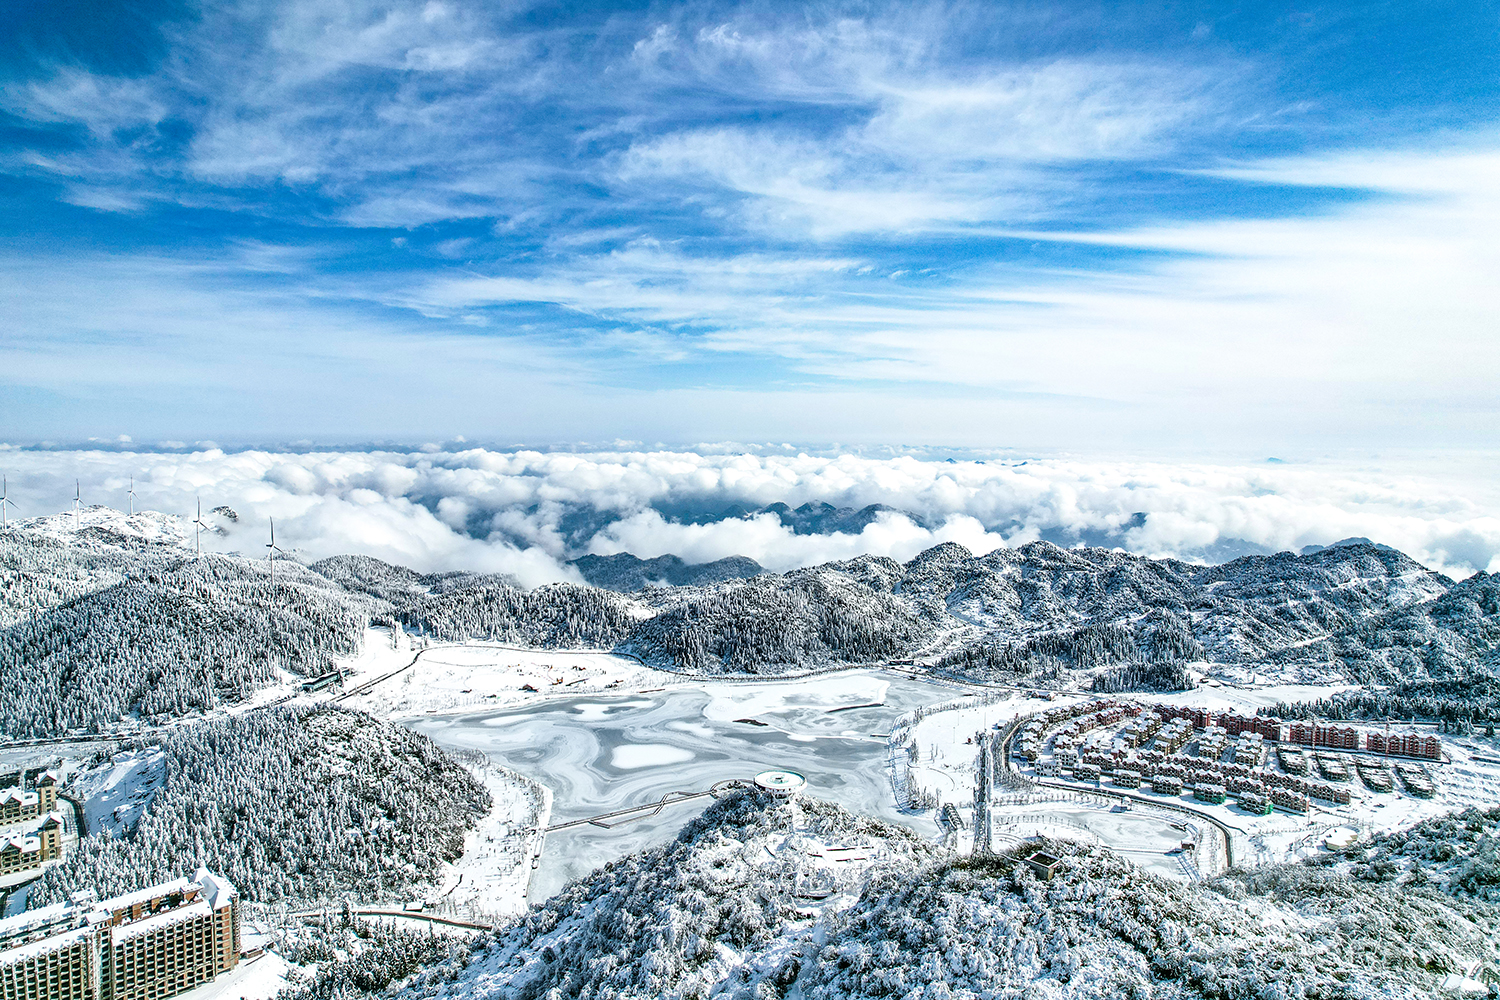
(131, 496)
(271, 555)
(5, 500)
(198, 527)
(77, 502)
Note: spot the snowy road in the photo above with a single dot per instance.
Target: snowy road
(600, 754)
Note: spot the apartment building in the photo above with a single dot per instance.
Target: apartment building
(146, 945)
(1405, 745)
(18, 804)
(30, 847)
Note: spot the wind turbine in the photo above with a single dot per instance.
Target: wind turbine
(5, 499)
(271, 555)
(198, 527)
(77, 502)
(131, 495)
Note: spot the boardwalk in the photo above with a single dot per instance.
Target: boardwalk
(631, 813)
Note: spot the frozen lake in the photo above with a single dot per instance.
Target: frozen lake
(598, 754)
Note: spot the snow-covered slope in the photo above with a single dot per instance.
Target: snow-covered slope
(98, 523)
(749, 902)
(173, 636)
(305, 804)
(122, 618)
(119, 620)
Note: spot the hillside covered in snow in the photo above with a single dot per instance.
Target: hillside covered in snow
(760, 899)
(300, 804)
(1370, 612)
(121, 620)
(103, 626)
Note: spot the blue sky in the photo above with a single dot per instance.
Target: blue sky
(1221, 228)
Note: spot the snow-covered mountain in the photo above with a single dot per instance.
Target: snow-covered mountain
(290, 803)
(627, 573)
(752, 901)
(120, 617)
(106, 624)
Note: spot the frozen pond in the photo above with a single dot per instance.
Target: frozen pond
(598, 754)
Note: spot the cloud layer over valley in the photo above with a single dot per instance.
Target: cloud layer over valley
(527, 513)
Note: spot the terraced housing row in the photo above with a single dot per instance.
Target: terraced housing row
(1130, 763)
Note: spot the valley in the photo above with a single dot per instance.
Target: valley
(460, 757)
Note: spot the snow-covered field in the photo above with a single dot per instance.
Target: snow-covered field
(115, 793)
(469, 677)
(1322, 677)
(1247, 698)
(49, 755)
(945, 754)
(494, 874)
(1153, 840)
(492, 877)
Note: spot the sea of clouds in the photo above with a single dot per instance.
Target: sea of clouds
(527, 513)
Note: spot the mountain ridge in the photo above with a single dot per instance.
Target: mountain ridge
(1037, 615)
(743, 904)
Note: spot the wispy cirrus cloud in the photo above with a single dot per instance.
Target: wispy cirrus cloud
(923, 147)
(354, 101)
(902, 221)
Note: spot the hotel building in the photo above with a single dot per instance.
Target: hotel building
(145, 945)
(36, 843)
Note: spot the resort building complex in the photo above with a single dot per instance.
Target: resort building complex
(145, 945)
(18, 804)
(31, 827)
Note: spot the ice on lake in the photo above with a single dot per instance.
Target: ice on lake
(637, 755)
(599, 754)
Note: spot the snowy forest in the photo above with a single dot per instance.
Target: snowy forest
(1152, 651)
(1162, 675)
(777, 624)
(1459, 705)
(299, 804)
(354, 959)
(730, 908)
(111, 628)
(188, 638)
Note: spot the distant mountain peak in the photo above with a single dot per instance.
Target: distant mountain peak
(626, 573)
(1353, 541)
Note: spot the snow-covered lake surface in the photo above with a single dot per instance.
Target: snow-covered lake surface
(598, 754)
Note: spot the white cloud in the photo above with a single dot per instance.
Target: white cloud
(931, 140)
(1048, 112)
(764, 539)
(408, 113)
(528, 512)
(1375, 315)
(1370, 323)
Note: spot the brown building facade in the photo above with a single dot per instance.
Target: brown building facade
(28, 850)
(146, 945)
